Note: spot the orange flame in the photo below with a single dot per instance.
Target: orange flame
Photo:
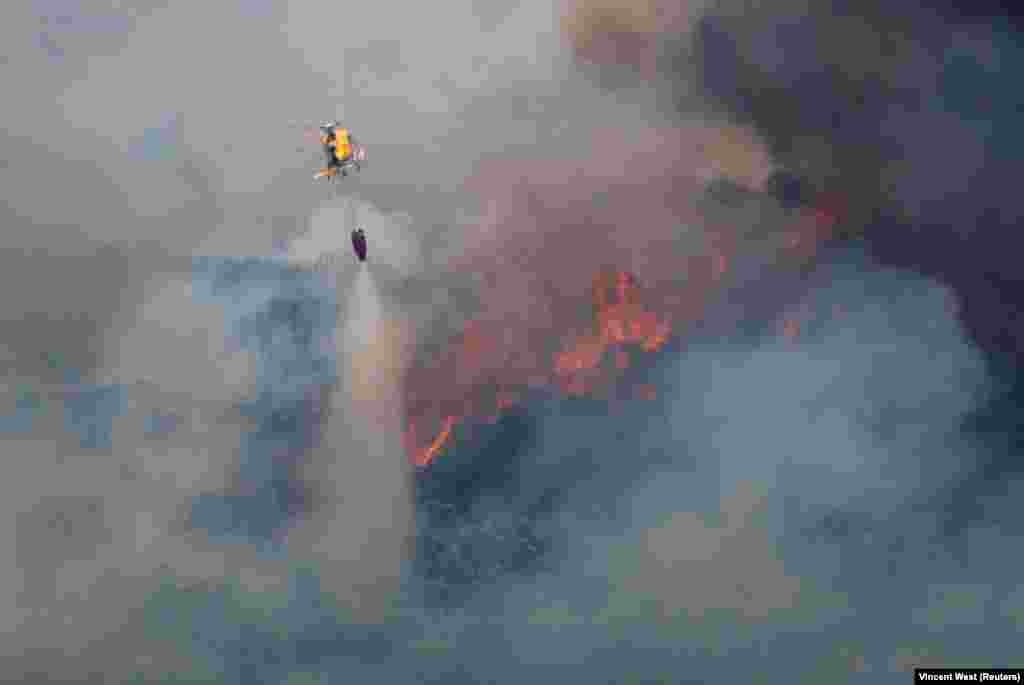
(519, 340)
(486, 379)
(426, 455)
(481, 372)
(620, 320)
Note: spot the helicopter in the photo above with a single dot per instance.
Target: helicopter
(342, 152)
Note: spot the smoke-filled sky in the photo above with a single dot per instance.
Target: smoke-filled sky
(687, 346)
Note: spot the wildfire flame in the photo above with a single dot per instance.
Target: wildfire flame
(620, 320)
(621, 325)
(533, 331)
(426, 455)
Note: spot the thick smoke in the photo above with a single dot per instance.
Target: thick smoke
(205, 467)
(783, 497)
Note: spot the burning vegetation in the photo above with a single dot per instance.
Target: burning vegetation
(553, 229)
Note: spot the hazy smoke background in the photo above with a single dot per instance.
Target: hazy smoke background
(205, 398)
